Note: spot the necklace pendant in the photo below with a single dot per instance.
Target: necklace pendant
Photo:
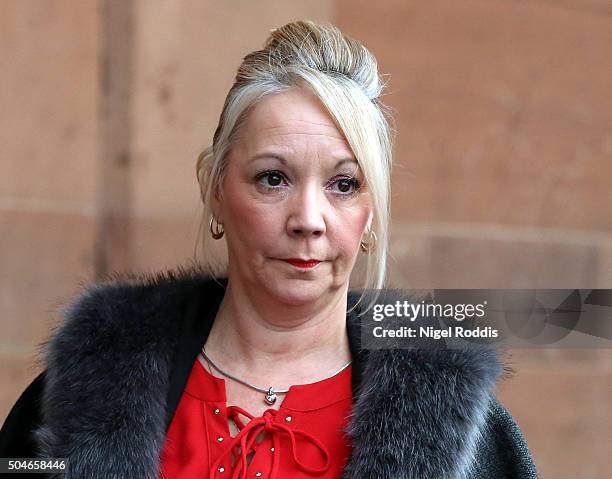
(271, 396)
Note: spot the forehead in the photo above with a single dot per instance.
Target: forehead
(293, 119)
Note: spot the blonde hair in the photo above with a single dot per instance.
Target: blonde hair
(343, 74)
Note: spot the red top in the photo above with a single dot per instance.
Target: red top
(303, 439)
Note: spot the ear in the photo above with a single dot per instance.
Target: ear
(216, 199)
(370, 219)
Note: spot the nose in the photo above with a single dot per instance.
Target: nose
(306, 212)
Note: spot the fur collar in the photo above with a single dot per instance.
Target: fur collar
(114, 378)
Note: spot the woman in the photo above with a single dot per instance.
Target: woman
(260, 373)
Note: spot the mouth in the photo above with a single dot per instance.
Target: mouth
(302, 263)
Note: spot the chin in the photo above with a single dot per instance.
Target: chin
(296, 291)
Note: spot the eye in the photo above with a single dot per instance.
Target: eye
(348, 185)
(274, 179)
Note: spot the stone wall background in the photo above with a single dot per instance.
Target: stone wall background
(502, 173)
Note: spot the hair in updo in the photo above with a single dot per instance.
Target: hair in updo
(344, 76)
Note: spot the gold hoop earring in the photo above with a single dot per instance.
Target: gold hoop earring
(371, 245)
(216, 233)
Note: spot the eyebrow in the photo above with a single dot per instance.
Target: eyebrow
(278, 157)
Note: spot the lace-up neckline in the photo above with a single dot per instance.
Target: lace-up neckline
(303, 438)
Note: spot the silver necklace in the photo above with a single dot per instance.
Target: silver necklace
(270, 392)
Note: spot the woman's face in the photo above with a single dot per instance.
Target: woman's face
(292, 189)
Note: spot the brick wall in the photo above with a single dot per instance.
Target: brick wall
(501, 180)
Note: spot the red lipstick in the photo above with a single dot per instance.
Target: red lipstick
(301, 263)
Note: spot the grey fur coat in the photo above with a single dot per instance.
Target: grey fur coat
(116, 367)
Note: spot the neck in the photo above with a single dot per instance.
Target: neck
(249, 339)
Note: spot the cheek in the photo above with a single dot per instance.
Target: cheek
(250, 222)
(350, 230)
